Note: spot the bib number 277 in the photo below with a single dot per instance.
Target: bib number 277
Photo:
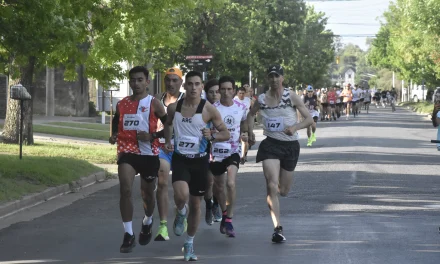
(186, 144)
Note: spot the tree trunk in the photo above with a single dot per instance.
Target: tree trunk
(11, 128)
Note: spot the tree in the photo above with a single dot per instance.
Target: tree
(96, 33)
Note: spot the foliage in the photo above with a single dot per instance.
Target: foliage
(409, 41)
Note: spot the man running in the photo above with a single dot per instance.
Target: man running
(225, 155)
(134, 127)
(355, 102)
(279, 152)
(189, 118)
(173, 82)
(212, 212)
(331, 96)
(242, 98)
(311, 103)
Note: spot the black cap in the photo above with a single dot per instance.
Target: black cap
(278, 69)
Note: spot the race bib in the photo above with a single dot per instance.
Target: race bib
(311, 107)
(132, 121)
(338, 101)
(331, 102)
(275, 124)
(221, 150)
(188, 145)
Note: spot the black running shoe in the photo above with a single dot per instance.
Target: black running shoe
(128, 244)
(209, 218)
(277, 236)
(146, 234)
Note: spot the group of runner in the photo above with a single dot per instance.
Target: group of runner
(202, 142)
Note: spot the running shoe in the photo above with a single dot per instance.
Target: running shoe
(277, 236)
(209, 218)
(188, 252)
(128, 244)
(313, 137)
(229, 229)
(146, 234)
(309, 142)
(216, 212)
(162, 233)
(180, 223)
(222, 225)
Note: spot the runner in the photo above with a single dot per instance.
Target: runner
(212, 212)
(173, 82)
(225, 155)
(241, 97)
(367, 99)
(311, 103)
(190, 117)
(339, 101)
(331, 96)
(133, 128)
(356, 93)
(280, 150)
(347, 95)
(323, 100)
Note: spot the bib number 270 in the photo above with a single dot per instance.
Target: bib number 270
(131, 123)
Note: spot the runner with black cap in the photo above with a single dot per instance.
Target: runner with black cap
(279, 152)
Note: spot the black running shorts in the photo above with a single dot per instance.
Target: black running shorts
(193, 171)
(285, 151)
(147, 166)
(219, 167)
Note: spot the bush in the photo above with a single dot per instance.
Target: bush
(92, 109)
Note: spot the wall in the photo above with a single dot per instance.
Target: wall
(71, 98)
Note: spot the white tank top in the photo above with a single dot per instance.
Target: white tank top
(276, 119)
(246, 101)
(188, 137)
(232, 117)
(159, 123)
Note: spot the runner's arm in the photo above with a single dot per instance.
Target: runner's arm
(160, 112)
(115, 121)
(307, 118)
(250, 120)
(216, 119)
(168, 125)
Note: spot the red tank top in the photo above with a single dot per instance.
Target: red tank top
(136, 116)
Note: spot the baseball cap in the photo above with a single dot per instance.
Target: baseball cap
(309, 88)
(175, 71)
(276, 68)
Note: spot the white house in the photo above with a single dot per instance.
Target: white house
(349, 76)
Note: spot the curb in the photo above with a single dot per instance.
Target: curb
(28, 201)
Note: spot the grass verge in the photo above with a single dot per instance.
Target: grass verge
(34, 173)
(82, 125)
(420, 107)
(90, 134)
(99, 154)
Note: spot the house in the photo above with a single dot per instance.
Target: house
(349, 76)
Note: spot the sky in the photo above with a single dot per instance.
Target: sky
(353, 20)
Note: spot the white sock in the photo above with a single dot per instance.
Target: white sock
(189, 239)
(183, 211)
(128, 227)
(147, 220)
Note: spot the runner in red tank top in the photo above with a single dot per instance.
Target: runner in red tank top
(133, 128)
(331, 97)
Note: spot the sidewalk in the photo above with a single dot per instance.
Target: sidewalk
(39, 119)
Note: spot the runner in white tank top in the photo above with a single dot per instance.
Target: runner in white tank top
(225, 156)
(190, 162)
(280, 150)
(247, 102)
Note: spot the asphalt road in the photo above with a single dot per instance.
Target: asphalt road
(368, 191)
